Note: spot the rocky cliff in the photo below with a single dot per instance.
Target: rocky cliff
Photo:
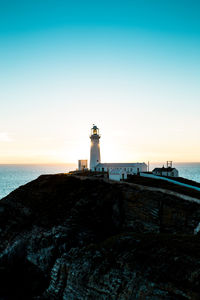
(70, 237)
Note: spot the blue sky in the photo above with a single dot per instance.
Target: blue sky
(132, 67)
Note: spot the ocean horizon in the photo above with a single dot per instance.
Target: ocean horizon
(14, 175)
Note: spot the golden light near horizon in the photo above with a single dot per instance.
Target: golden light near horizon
(117, 145)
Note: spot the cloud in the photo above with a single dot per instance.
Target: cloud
(4, 137)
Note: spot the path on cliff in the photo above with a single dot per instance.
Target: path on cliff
(147, 188)
(166, 191)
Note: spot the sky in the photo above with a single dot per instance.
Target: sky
(130, 67)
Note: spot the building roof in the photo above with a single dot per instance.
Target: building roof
(118, 165)
(163, 169)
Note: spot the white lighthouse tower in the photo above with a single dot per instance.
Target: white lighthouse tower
(95, 147)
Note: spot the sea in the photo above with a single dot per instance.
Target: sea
(13, 176)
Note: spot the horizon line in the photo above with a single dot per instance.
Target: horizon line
(73, 163)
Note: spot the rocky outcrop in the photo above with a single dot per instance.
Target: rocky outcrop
(128, 266)
(70, 237)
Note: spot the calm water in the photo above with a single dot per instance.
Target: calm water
(12, 176)
(186, 170)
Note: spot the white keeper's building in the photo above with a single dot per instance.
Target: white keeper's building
(117, 171)
(117, 174)
(129, 168)
(166, 172)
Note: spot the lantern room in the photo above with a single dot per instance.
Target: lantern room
(94, 130)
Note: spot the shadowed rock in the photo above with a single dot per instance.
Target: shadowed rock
(70, 237)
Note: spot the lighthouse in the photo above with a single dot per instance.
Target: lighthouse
(95, 158)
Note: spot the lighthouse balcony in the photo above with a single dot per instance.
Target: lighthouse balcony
(95, 136)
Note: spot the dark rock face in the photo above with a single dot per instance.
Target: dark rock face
(67, 237)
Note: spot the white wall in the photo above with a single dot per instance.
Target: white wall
(82, 164)
(95, 158)
(128, 170)
(117, 177)
(173, 173)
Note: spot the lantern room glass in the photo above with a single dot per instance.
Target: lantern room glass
(95, 130)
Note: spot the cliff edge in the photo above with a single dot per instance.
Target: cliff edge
(71, 237)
